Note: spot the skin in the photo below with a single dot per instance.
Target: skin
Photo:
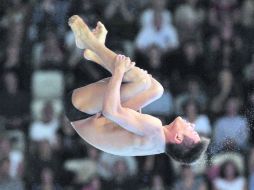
(121, 130)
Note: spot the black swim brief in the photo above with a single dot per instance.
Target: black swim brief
(72, 113)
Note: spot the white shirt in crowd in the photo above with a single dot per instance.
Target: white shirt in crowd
(236, 184)
(44, 131)
(166, 37)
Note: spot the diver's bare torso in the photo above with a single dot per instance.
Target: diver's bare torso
(111, 138)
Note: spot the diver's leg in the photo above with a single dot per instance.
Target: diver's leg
(97, 51)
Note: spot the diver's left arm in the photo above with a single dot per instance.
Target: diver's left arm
(140, 124)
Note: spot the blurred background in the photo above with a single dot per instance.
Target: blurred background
(202, 51)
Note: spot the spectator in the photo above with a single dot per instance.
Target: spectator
(69, 143)
(42, 156)
(190, 60)
(6, 181)
(213, 57)
(231, 130)
(14, 22)
(227, 86)
(248, 72)
(250, 113)
(12, 59)
(51, 55)
(121, 178)
(151, 61)
(195, 92)
(229, 178)
(95, 184)
(251, 168)
(120, 14)
(46, 128)
(188, 180)
(48, 15)
(146, 172)
(107, 164)
(12, 97)
(248, 13)
(157, 29)
(47, 181)
(16, 157)
(152, 165)
(185, 62)
(84, 168)
(158, 183)
(188, 18)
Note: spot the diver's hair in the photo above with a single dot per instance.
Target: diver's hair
(185, 154)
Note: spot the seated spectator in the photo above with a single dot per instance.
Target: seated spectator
(84, 168)
(15, 104)
(229, 178)
(251, 168)
(152, 165)
(249, 112)
(94, 184)
(69, 145)
(193, 115)
(185, 63)
(47, 127)
(51, 55)
(6, 181)
(157, 29)
(15, 157)
(151, 60)
(226, 86)
(41, 156)
(14, 21)
(145, 172)
(231, 131)
(108, 161)
(121, 178)
(12, 57)
(247, 13)
(47, 181)
(190, 60)
(249, 74)
(194, 91)
(48, 14)
(157, 183)
(120, 14)
(188, 18)
(188, 180)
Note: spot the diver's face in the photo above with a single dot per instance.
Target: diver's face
(183, 132)
(188, 133)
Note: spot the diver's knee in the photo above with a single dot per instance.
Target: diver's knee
(157, 88)
(146, 81)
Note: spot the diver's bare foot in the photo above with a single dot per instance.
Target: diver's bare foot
(83, 35)
(100, 33)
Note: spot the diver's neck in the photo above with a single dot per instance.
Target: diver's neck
(169, 135)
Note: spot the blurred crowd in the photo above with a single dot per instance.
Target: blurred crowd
(202, 51)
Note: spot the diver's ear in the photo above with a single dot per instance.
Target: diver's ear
(178, 138)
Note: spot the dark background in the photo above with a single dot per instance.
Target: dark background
(200, 50)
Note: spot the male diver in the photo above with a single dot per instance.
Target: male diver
(105, 113)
